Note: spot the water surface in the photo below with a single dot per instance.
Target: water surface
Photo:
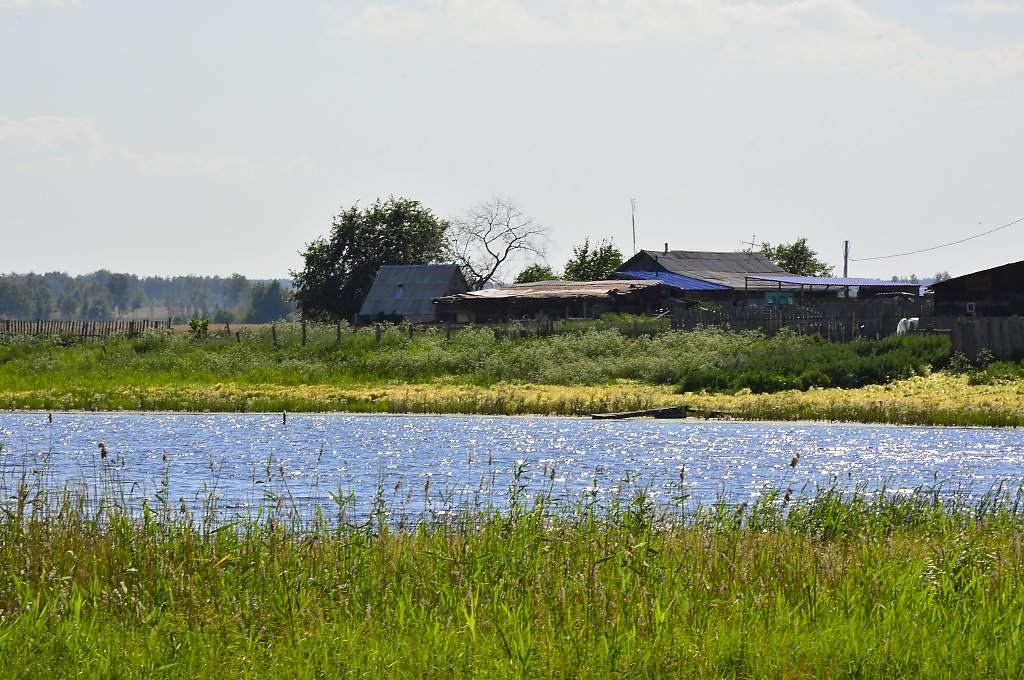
(429, 462)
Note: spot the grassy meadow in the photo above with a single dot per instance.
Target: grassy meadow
(905, 380)
(825, 584)
(96, 581)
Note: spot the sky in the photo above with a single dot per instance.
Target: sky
(220, 136)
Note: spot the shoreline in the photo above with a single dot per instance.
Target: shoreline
(936, 399)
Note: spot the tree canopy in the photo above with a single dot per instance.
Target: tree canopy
(339, 269)
(535, 272)
(796, 258)
(492, 235)
(268, 302)
(588, 264)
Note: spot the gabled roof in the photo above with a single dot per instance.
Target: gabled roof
(729, 269)
(408, 291)
(959, 281)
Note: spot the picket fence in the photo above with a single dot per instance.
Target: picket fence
(84, 329)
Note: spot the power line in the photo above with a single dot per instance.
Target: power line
(944, 245)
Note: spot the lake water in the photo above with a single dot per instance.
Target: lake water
(426, 463)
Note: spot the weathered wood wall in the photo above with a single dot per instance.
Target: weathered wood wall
(841, 320)
(1003, 336)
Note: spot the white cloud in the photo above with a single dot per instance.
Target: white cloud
(45, 133)
(25, 4)
(983, 7)
(73, 145)
(813, 34)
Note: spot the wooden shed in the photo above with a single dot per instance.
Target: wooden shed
(998, 291)
(407, 292)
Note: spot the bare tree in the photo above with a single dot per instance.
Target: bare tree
(493, 234)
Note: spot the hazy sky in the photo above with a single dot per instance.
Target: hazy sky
(214, 137)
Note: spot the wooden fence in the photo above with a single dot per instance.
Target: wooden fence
(1002, 336)
(85, 329)
(839, 321)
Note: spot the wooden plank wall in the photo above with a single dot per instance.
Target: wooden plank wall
(85, 329)
(1003, 336)
(838, 321)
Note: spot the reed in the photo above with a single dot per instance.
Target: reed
(739, 375)
(96, 582)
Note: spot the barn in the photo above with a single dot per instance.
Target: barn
(716, 276)
(998, 291)
(407, 292)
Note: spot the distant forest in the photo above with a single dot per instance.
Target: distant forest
(104, 295)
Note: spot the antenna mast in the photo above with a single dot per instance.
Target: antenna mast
(632, 206)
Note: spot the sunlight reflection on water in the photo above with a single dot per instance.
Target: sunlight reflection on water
(247, 458)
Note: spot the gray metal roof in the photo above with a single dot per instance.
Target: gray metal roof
(408, 291)
(729, 269)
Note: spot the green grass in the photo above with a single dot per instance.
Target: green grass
(831, 584)
(709, 358)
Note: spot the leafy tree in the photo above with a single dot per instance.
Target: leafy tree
(796, 258)
(339, 268)
(125, 292)
(536, 272)
(493, 234)
(15, 300)
(593, 265)
(268, 302)
(236, 289)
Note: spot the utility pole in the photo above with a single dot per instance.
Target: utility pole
(846, 259)
(632, 206)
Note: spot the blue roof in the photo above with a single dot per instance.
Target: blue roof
(675, 280)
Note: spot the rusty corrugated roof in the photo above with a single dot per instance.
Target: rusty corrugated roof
(555, 289)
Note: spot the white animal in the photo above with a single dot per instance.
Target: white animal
(906, 325)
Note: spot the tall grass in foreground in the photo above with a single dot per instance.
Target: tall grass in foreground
(830, 584)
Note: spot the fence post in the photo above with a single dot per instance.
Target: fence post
(273, 333)
(303, 332)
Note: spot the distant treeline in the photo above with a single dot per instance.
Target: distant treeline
(105, 295)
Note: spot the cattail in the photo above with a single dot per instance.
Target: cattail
(103, 450)
(737, 518)
(793, 461)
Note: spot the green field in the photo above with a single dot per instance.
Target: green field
(593, 368)
(803, 583)
(829, 584)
